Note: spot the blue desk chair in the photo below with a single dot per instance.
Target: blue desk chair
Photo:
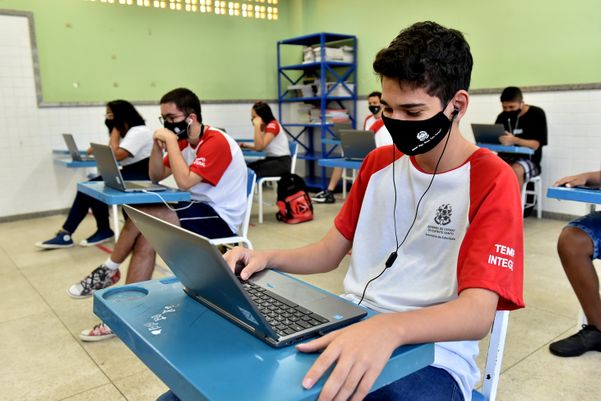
(243, 230)
(262, 180)
(494, 358)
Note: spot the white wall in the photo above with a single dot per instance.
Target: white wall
(32, 182)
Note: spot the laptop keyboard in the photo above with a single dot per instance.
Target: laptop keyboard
(284, 316)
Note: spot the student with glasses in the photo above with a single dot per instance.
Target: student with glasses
(131, 142)
(203, 161)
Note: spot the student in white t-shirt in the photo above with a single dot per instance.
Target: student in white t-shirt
(203, 161)
(269, 137)
(131, 142)
(435, 228)
(372, 122)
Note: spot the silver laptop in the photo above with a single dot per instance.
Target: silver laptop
(488, 133)
(74, 151)
(274, 307)
(340, 126)
(111, 175)
(356, 144)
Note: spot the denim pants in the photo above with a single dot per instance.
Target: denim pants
(427, 384)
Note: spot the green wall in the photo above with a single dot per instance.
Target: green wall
(140, 53)
(137, 53)
(514, 42)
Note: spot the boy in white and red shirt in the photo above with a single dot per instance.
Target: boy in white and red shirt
(435, 228)
(204, 161)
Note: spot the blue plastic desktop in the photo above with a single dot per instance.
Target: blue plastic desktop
(70, 163)
(507, 149)
(340, 162)
(202, 356)
(111, 196)
(575, 194)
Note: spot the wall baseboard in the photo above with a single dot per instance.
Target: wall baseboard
(35, 215)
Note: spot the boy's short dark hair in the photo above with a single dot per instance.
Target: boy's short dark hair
(430, 56)
(512, 94)
(185, 100)
(375, 93)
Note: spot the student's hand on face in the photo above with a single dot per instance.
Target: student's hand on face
(507, 139)
(359, 351)
(571, 181)
(257, 121)
(162, 136)
(245, 262)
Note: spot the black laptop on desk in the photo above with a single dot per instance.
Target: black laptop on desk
(74, 151)
(111, 175)
(488, 133)
(274, 307)
(356, 144)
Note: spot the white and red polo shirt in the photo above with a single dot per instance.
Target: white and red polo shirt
(381, 134)
(279, 144)
(218, 160)
(467, 234)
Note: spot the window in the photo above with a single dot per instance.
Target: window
(258, 9)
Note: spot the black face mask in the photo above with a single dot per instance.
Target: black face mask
(110, 124)
(415, 137)
(374, 109)
(180, 128)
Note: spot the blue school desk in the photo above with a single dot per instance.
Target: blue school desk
(507, 149)
(114, 197)
(344, 164)
(70, 163)
(202, 356)
(575, 194)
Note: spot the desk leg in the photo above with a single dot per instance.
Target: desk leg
(116, 222)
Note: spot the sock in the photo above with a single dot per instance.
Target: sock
(111, 265)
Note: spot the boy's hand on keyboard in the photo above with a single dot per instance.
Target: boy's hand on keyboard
(359, 352)
(245, 262)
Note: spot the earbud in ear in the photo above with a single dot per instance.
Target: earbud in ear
(455, 112)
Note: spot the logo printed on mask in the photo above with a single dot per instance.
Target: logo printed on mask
(422, 135)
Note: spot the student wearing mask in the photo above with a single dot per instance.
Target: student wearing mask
(131, 142)
(525, 125)
(269, 137)
(372, 122)
(203, 161)
(435, 228)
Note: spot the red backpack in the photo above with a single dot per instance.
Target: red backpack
(293, 200)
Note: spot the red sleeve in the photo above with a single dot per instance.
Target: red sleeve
(346, 220)
(212, 157)
(183, 144)
(492, 252)
(273, 128)
(376, 125)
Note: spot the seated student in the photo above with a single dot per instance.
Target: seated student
(435, 227)
(131, 142)
(204, 161)
(372, 122)
(579, 243)
(526, 126)
(270, 138)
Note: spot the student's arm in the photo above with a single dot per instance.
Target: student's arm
(114, 142)
(590, 178)
(361, 350)
(157, 171)
(184, 178)
(320, 257)
(511, 140)
(262, 139)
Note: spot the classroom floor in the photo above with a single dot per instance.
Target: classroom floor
(42, 358)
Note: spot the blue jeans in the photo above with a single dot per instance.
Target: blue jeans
(427, 384)
(591, 225)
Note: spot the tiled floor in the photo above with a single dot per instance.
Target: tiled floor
(41, 357)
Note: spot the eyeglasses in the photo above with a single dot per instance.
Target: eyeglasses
(169, 118)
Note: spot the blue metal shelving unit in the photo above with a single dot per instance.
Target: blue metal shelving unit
(341, 74)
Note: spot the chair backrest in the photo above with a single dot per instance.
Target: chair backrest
(294, 154)
(250, 190)
(494, 358)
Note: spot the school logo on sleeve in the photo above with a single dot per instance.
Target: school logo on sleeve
(443, 214)
(200, 162)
